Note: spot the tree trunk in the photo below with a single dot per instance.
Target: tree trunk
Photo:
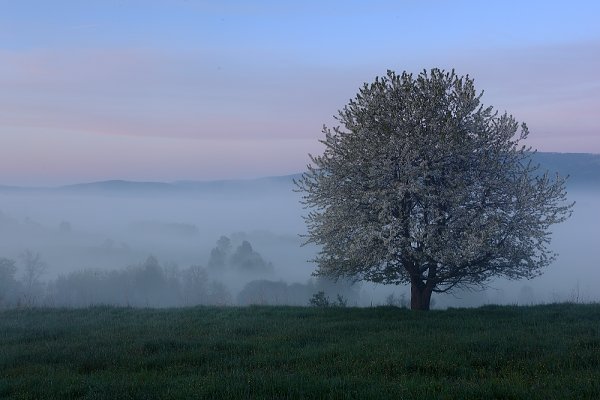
(420, 296)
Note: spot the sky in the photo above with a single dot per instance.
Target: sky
(197, 90)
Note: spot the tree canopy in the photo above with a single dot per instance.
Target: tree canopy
(423, 185)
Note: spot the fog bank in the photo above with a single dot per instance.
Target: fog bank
(90, 234)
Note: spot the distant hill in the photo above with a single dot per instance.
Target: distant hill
(119, 186)
(156, 188)
(237, 184)
(583, 169)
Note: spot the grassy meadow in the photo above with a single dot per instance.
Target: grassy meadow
(537, 352)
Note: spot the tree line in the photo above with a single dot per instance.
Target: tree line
(152, 284)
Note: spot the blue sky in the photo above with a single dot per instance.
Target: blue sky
(168, 90)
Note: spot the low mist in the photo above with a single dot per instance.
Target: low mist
(230, 243)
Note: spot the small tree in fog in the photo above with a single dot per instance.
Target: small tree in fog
(33, 269)
(424, 185)
(219, 254)
(320, 299)
(151, 282)
(195, 285)
(248, 260)
(8, 284)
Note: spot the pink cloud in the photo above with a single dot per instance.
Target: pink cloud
(150, 94)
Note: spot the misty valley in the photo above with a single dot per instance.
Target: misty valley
(299, 200)
(233, 243)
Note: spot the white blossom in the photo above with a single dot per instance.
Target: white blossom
(421, 184)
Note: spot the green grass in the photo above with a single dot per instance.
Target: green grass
(541, 352)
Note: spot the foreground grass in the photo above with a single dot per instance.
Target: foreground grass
(540, 352)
